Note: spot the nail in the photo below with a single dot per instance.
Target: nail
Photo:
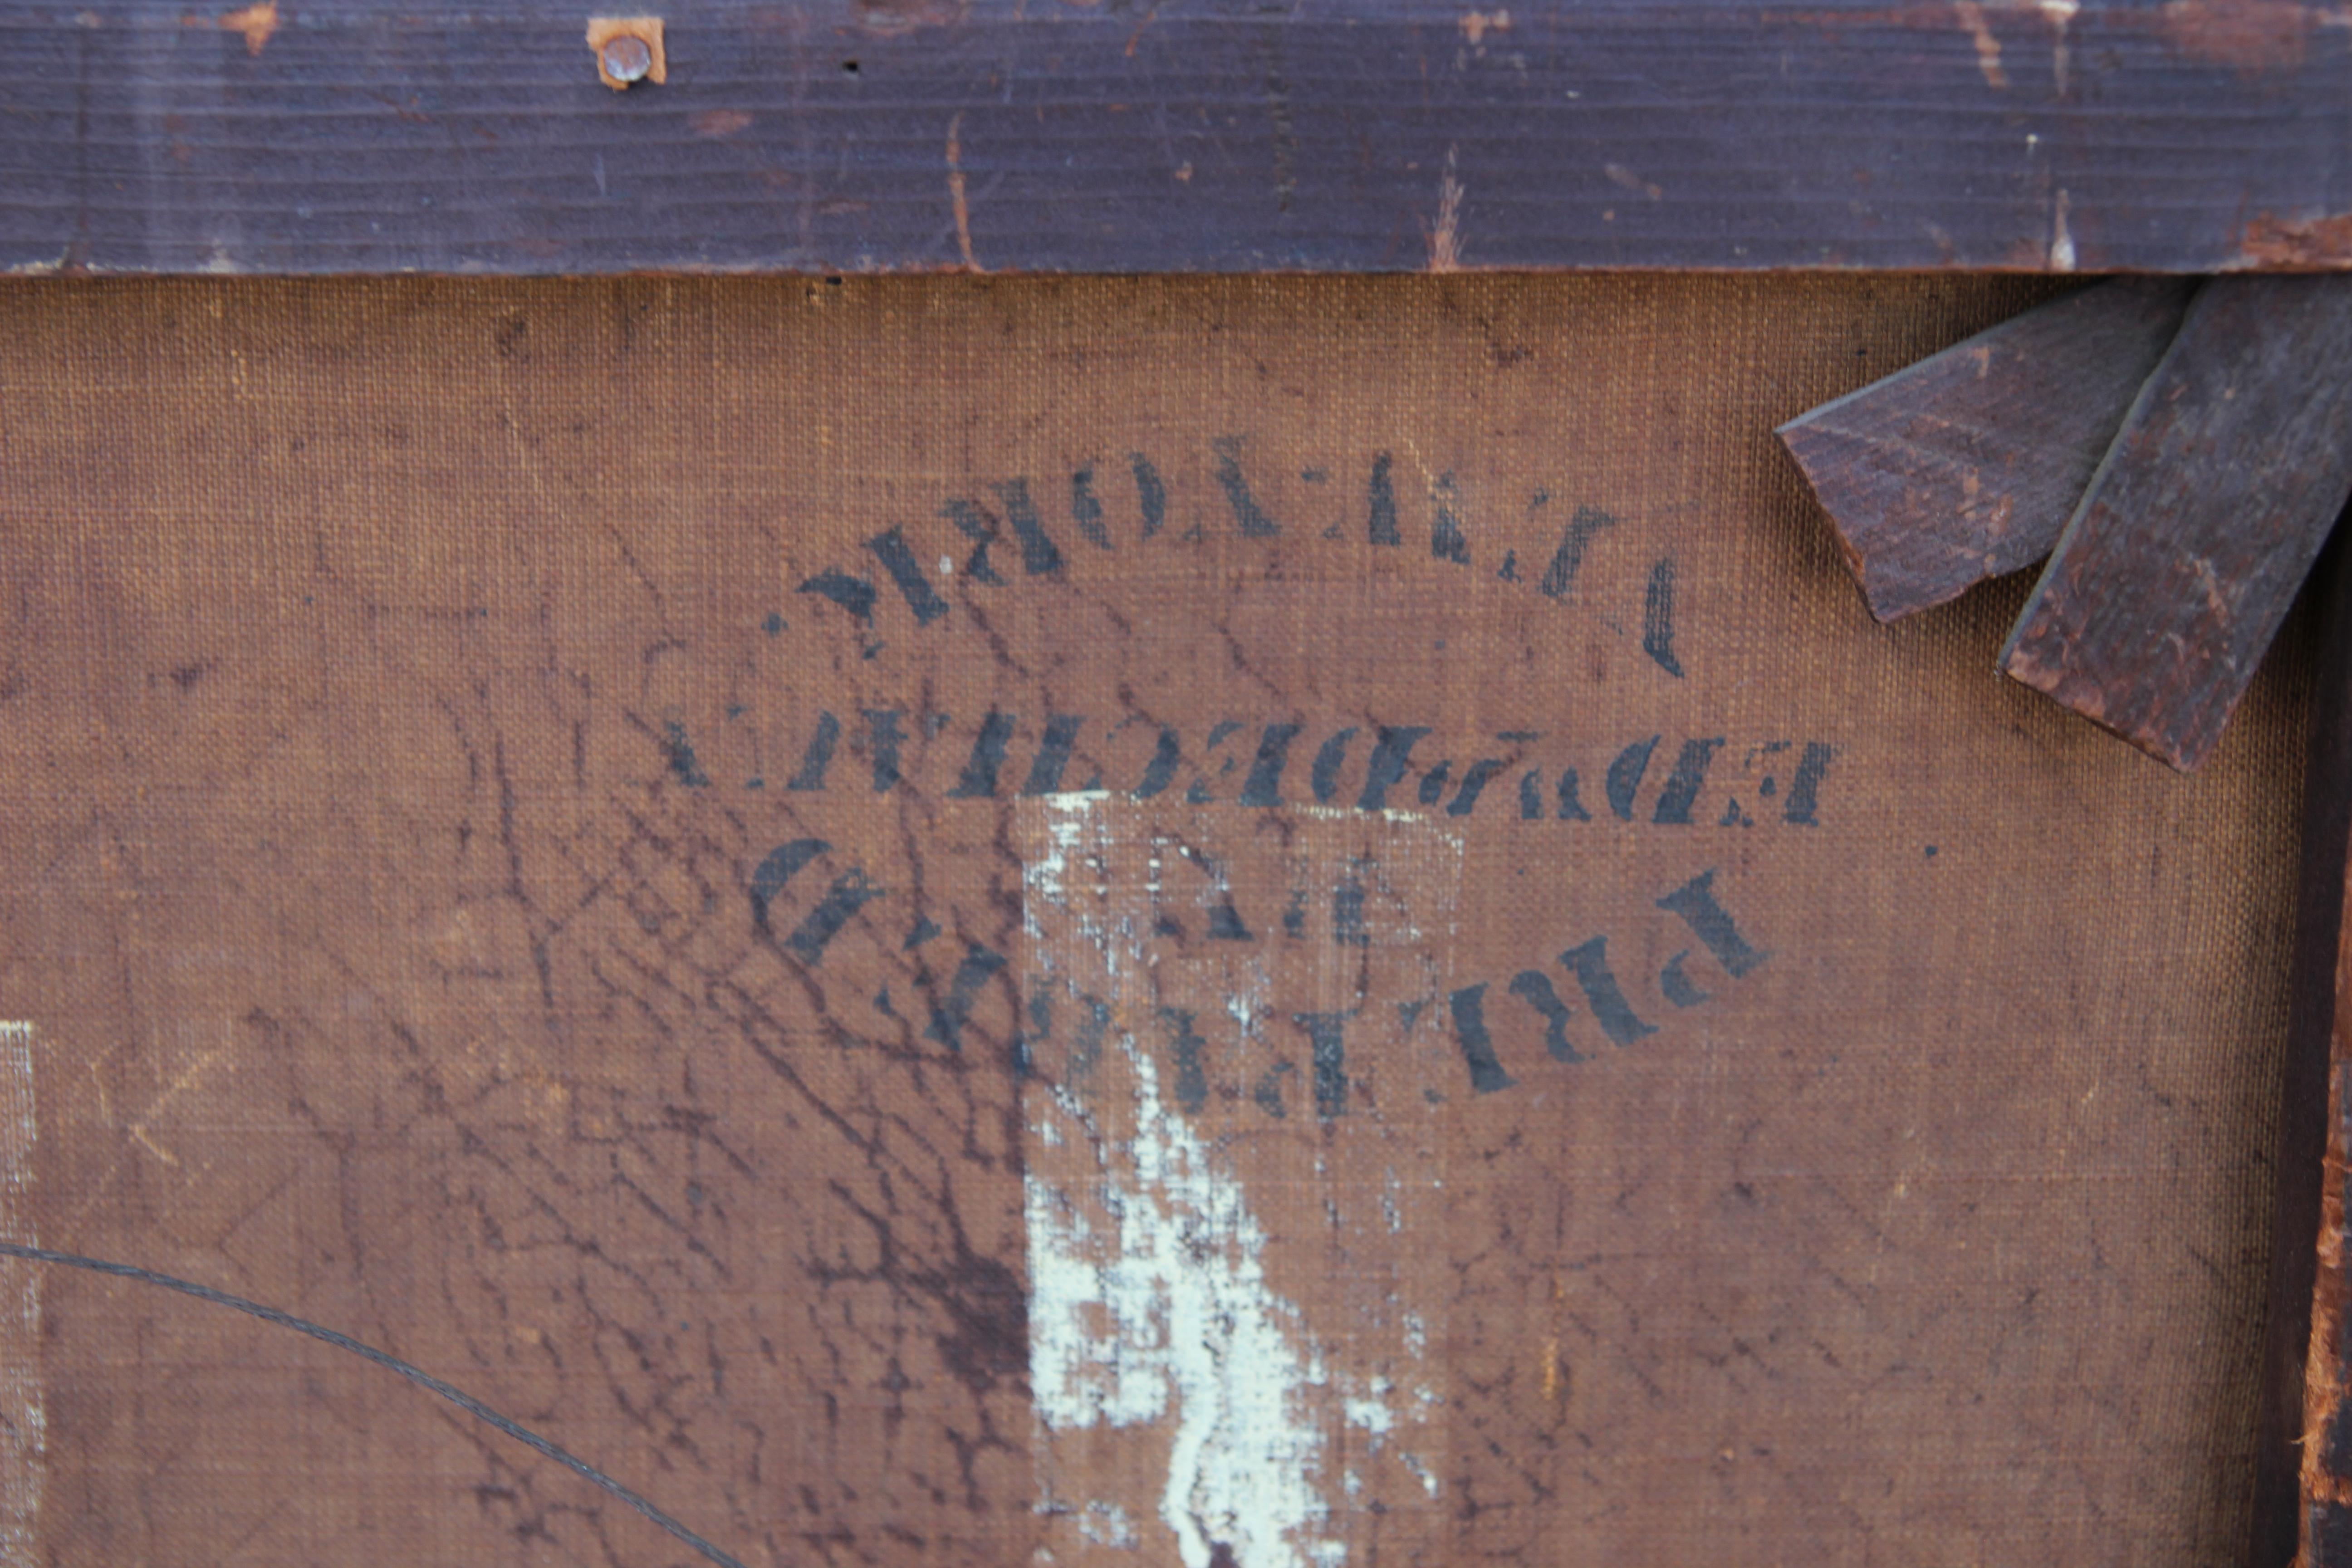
(626, 58)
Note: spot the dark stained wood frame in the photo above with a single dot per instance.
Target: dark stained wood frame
(839, 136)
(836, 136)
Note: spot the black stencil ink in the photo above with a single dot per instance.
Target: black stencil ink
(1675, 983)
(1327, 1035)
(1390, 757)
(1626, 776)
(1264, 785)
(1530, 796)
(979, 780)
(1053, 754)
(1694, 903)
(1198, 791)
(855, 594)
(1268, 1092)
(904, 570)
(1487, 1074)
(1166, 758)
(679, 751)
(1329, 757)
(819, 755)
(884, 728)
(1658, 619)
(1184, 1050)
(1039, 554)
(1682, 786)
(1534, 987)
(1380, 498)
(1572, 809)
(924, 928)
(1347, 915)
(1510, 568)
(1447, 540)
(950, 1018)
(1560, 575)
(1590, 963)
(978, 526)
(1087, 509)
(849, 893)
(1805, 788)
(781, 866)
(1150, 495)
(1473, 783)
(1294, 916)
(1226, 924)
(1247, 514)
(1432, 782)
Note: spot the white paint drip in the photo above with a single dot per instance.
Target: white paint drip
(24, 1421)
(1169, 1304)
(1107, 1524)
(1073, 830)
(2062, 242)
(1151, 1313)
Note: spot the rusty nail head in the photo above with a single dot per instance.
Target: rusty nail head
(626, 58)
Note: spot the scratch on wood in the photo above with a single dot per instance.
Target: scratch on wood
(1972, 17)
(255, 22)
(2060, 14)
(2292, 244)
(1477, 25)
(1446, 237)
(956, 195)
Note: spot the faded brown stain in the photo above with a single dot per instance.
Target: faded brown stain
(2245, 34)
(2290, 245)
(718, 123)
(890, 17)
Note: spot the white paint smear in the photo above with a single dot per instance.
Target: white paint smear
(1167, 1305)
(1151, 1311)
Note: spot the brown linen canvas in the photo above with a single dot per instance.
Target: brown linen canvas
(1253, 922)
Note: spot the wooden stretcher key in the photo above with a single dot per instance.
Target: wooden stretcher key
(1967, 464)
(2176, 570)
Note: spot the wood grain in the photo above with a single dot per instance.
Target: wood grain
(2302, 1141)
(1967, 465)
(2316, 1158)
(1196, 135)
(2196, 530)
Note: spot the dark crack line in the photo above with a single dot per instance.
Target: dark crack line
(415, 1374)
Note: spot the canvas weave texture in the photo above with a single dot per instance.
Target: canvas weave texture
(1263, 924)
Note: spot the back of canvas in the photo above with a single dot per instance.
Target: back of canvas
(1260, 924)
